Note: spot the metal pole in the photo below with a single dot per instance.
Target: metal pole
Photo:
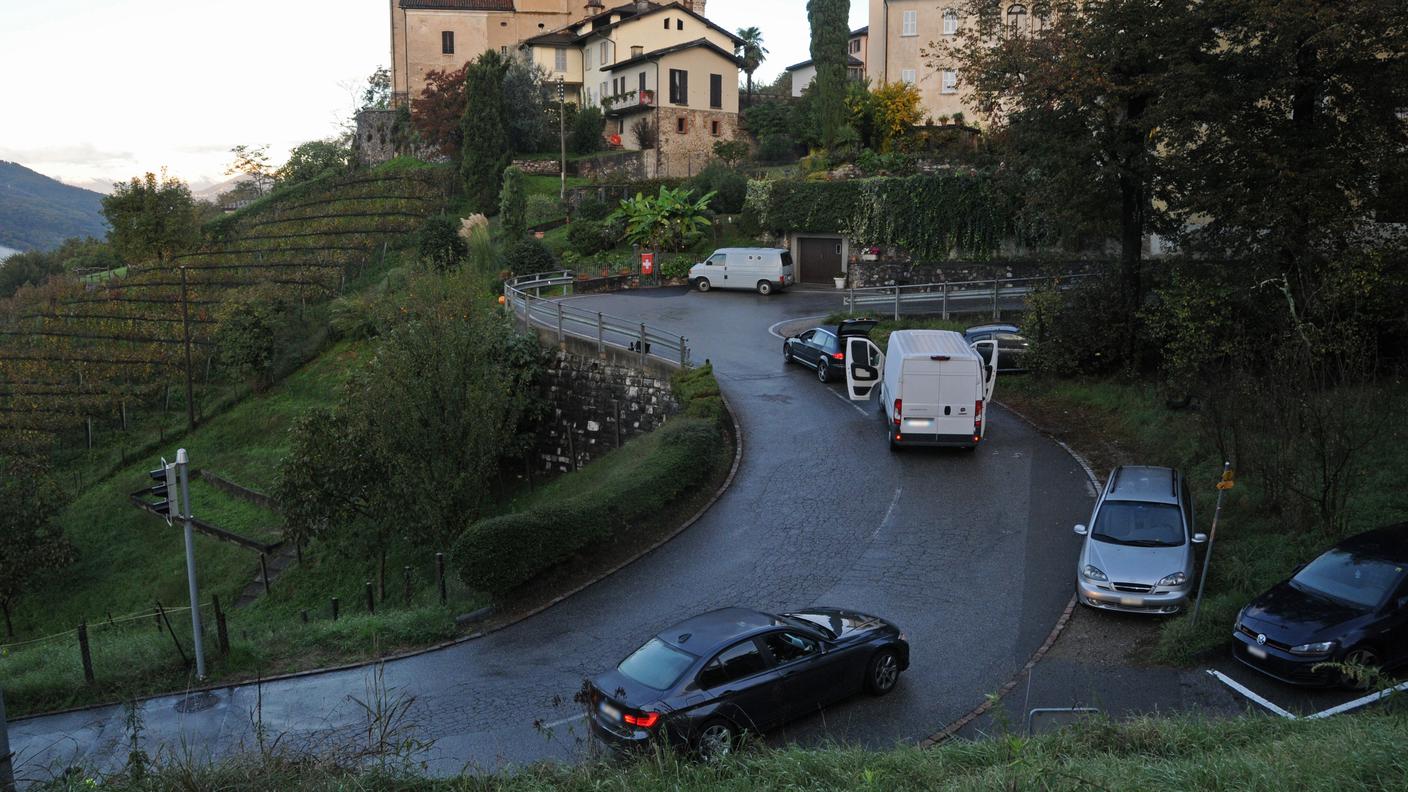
(994, 299)
(1212, 536)
(897, 302)
(684, 353)
(7, 770)
(642, 341)
(561, 340)
(562, 134)
(183, 467)
(945, 308)
(186, 338)
(600, 336)
(851, 300)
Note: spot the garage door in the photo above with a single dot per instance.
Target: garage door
(820, 259)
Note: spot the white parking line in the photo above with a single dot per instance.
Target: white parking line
(557, 723)
(886, 519)
(1359, 702)
(1240, 688)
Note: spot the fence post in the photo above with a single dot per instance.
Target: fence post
(222, 635)
(561, 341)
(264, 571)
(995, 314)
(851, 300)
(642, 341)
(406, 577)
(600, 336)
(334, 608)
(7, 770)
(684, 353)
(85, 653)
(945, 308)
(371, 598)
(897, 302)
(440, 576)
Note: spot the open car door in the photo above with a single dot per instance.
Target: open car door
(987, 350)
(864, 365)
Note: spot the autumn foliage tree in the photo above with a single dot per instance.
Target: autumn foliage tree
(34, 547)
(439, 111)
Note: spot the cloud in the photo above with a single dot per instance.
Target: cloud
(69, 154)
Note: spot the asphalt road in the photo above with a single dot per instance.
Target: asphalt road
(971, 553)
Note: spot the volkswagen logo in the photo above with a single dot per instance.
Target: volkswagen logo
(1261, 640)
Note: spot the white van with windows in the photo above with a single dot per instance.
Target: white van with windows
(763, 270)
(934, 387)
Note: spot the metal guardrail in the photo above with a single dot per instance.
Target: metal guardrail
(523, 299)
(993, 292)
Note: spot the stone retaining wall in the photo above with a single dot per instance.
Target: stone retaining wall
(596, 406)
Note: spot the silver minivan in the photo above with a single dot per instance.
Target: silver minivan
(763, 270)
(1138, 550)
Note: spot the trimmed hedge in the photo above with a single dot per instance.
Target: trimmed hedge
(930, 215)
(499, 554)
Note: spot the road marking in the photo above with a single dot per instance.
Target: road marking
(847, 400)
(886, 519)
(773, 330)
(1240, 688)
(1359, 702)
(557, 723)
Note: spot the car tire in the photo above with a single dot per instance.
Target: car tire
(1363, 655)
(702, 284)
(717, 739)
(787, 353)
(882, 673)
(823, 370)
(765, 288)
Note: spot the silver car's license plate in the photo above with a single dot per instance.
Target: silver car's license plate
(610, 712)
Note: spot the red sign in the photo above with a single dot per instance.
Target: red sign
(647, 263)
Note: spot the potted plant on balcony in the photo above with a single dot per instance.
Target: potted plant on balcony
(840, 279)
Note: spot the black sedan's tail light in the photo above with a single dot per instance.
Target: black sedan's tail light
(644, 720)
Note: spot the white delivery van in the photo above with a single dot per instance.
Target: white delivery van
(934, 387)
(764, 270)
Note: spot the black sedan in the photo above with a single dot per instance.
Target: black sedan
(824, 348)
(704, 682)
(1349, 605)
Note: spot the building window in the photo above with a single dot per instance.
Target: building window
(1042, 14)
(950, 22)
(679, 24)
(716, 90)
(642, 83)
(637, 51)
(447, 42)
(667, 23)
(588, 56)
(681, 125)
(714, 128)
(560, 59)
(950, 82)
(604, 94)
(605, 53)
(907, 75)
(1017, 17)
(911, 24)
(679, 87)
(855, 46)
(504, 50)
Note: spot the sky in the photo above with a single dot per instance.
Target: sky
(97, 91)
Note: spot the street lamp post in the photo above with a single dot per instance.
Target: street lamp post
(562, 134)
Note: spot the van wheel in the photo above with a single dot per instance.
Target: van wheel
(702, 284)
(889, 434)
(765, 288)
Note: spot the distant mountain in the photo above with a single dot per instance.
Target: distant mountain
(37, 212)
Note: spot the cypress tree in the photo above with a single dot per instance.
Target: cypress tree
(830, 22)
(486, 151)
(513, 205)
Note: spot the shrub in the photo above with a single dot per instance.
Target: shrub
(587, 129)
(676, 267)
(529, 256)
(513, 205)
(440, 244)
(777, 148)
(589, 237)
(543, 209)
(730, 187)
(593, 208)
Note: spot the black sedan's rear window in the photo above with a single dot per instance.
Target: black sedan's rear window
(656, 664)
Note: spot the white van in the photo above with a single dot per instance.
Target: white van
(762, 269)
(935, 386)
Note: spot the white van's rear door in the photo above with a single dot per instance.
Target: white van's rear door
(939, 395)
(864, 362)
(988, 351)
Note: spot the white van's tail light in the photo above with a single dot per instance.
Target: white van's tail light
(899, 403)
(977, 420)
(781, 280)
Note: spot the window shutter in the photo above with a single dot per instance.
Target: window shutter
(716, 90)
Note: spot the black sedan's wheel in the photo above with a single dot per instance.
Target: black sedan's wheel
(765, 288)
(702, 284)
(823, 370)
(716, 740)
(883, 672)
(1368, 659)
(787, 353)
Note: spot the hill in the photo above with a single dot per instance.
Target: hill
(37, 212)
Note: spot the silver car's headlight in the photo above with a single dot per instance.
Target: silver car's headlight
(1176, 579)
(1324, 647)
(1093, 573)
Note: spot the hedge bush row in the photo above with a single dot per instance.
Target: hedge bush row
(499, 554)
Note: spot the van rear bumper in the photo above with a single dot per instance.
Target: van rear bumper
(938, 440)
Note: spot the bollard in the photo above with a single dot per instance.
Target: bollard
(406, 578)
(684, 353)
(85, 653)
(440, 576)
(600, 336)
(371, 598)
(334, 608)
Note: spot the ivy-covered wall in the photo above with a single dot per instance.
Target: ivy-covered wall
(933, 216)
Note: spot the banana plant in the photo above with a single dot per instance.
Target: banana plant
(671, 220)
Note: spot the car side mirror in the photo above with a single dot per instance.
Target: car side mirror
(1199, 538)
(1081, 530)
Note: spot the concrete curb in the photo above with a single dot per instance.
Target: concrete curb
(728, 482)
(956, 726)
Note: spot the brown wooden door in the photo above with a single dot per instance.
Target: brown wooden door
(820, 260)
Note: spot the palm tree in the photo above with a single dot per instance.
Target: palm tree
(753, 52)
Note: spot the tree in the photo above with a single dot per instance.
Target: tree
(731, 152)
(34, 546)
(667, 221)
(438, 115)
(310, 160)
(377, 93)
(1078, 107)
(441, 244)
(523, 92)
(247, 336)
(150, 218)
(587, 129)
(513, 205)
(29, 268)
(753, 52)
(830, 25)
(252, 161)
(485, 151)
(896, 112)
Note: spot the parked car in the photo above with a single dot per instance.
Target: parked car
(1011, 344)
(1349, 605)
(824, 348)
(764, 270)
(706, 681)
(1138, 551)
(934, 387)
